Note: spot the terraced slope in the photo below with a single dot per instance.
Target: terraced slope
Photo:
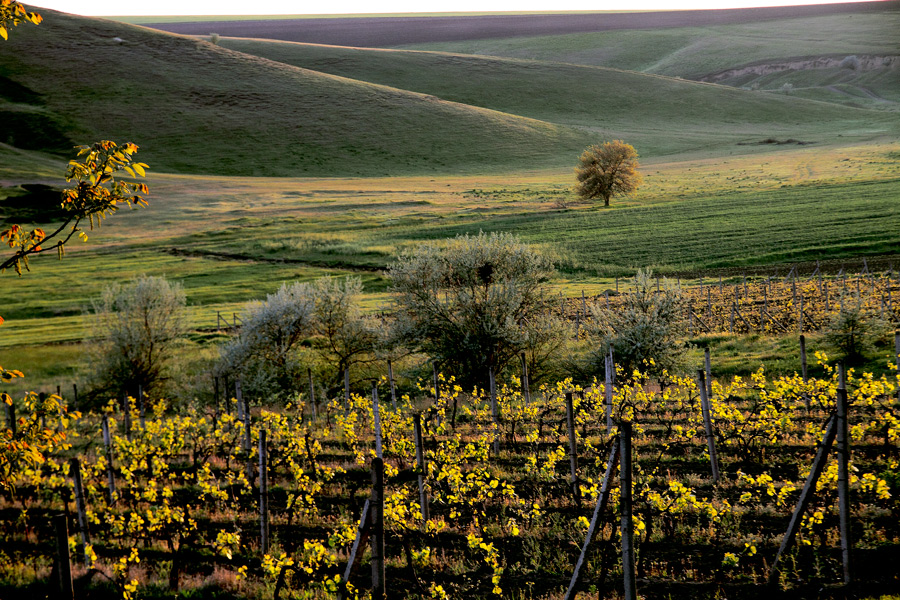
(198, 108)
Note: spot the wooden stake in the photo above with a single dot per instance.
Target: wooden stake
(420, 463)
(602, 501)
(526, 392)
(263, 493)
(347, 386)
(573, 448)
(495, 410)
(239, 398)
(110, 473)
(63, 562)
(707, 363)
(803, 371)
(608, 393)
(376, 510)
(312, 394)
(630, 584)
(127, 416)
(393, 387)
(809, 489)
(141, 413)
(75, 394)
(843, 456)
(707, 423)
(75, 467)
(11, 417)
(376, 415)
(246, 411)
(362, 536)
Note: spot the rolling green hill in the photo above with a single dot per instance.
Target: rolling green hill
(659, 115)
(794, 49)
(197, 108)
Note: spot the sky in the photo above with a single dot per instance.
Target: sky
(293, 7)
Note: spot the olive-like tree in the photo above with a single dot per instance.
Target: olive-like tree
(607, 170)
(472, 303)
(138, 326)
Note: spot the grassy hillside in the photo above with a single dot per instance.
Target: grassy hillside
(795, 46)
(197, 108)
(659, 115)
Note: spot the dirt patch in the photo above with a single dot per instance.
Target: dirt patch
(861, 63)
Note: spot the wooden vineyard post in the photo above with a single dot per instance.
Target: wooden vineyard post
(495, 410)
(376, 416)
(75, 396)
(809, 489)
(246, 412)
(731, 323)
(437, 387)
(608, 393)
(630, 584)
(825, 293)
(126, 401)
(376, 537)
(362, 536)
(707, 424)
(347, 386)
(312, 394)
(803, 370)
(141, 414)
(573, 448)
(897, 357)
(800, 314)
(843, 456)
(110, 474)
(707, 363)
(602, 501)
(393, 386)
(63, 562)
(617, 285)
(263, 493)
(420, 464)
(75, 466)
(239, 399)
(526, 392)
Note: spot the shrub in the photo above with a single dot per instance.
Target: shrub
(850, 62)
(137, 326)
(644, 334)
(852, 331)
(214, 38)
(474, 303)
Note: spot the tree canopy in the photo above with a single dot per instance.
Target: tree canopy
(607, 170)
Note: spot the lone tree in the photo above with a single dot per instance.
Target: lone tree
(607, 170)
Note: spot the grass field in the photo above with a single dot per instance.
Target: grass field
(449, 144)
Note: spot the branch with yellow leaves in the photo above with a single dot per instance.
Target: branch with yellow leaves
(97, 194)
(12, 13)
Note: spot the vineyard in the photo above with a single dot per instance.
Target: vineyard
(462, 493)
(770, 305)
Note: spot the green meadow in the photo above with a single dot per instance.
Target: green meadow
(276, 161)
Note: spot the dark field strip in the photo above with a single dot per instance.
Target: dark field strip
(393, 31)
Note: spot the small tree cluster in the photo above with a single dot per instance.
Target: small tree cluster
(321, 317)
